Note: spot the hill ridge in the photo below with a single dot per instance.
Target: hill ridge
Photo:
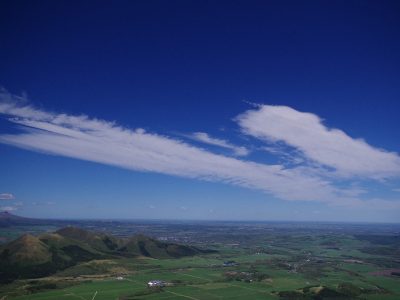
(35, 256)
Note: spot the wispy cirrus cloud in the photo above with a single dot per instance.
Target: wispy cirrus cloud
(8, 208)
(7, 196)
(13, 207)
(207, 139)
(329, 147)
(43, 203)
(104, 142)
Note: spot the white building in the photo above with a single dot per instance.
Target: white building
(156, 283)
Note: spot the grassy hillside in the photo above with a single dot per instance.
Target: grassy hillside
(98, 241)
(145, 246)
(30, 256)
(26, 250)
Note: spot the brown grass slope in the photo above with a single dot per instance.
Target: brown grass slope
(27, 249)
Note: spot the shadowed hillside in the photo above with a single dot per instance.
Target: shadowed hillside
(98, 241)
(30, 256)
(145, 246)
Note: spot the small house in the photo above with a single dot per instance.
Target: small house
(155, 283)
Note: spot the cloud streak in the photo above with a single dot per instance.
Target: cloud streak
(90, 139)
(6, 196)
(8, 208)
(205, 138)
(104, 142)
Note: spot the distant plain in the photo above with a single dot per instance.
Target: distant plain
(277, 260)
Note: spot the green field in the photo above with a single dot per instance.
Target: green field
(266, 266)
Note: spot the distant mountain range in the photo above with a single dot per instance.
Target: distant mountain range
(8, 219)
(36, 256)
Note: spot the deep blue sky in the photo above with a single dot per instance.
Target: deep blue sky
(179, 67)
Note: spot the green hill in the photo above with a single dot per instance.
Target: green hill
(30, 256)
(145, 246)
(98, 241)
(27, 249)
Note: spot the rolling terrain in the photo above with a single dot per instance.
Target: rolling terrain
(276, 260)
(30, 257)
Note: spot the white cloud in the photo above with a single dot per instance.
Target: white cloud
(327, 146)
(292, 157)
(205, 138)
(105, 142)
(8, 208)
(6, 196)
(15, 206)
(43, 203)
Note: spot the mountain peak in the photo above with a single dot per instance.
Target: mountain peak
(27, 248)
(27, 239)
(7, 215)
